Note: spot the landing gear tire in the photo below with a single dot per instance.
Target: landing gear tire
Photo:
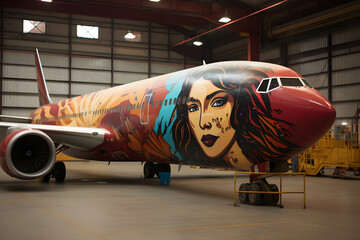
(149, 170)
(244, 197)
(275, 197)
(59, 172)
(254, 198)
(46, 178)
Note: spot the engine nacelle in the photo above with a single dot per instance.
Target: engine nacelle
(27, 154)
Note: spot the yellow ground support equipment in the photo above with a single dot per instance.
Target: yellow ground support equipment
(339, 148)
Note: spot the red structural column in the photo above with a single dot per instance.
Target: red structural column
(254, 40)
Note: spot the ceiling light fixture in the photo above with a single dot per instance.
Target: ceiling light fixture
(197, 43)
(46, 0)
(129, 35)
(225, 19)
(154, 0)
(344, 123)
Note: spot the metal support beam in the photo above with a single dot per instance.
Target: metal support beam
(112, 52)
(284, 55)
(329, 67)
(149, 51)
(254, 41)
(1, 56)
(70, 52)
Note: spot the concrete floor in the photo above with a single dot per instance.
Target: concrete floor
(98, 201)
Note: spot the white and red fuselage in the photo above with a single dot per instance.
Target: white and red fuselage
(227, 115)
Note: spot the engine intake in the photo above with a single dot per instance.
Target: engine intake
(27, 154)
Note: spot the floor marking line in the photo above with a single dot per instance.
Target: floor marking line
(202, 228)
(75, 224)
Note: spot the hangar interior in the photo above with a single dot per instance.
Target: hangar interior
(318, 39)
(83, 49)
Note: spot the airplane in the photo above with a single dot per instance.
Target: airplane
(236, 115)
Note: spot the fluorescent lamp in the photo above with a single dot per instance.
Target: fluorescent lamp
(344, 123)
(225, 19)
(154, 0)
(197, 43)
(129, 35)
(46, 0)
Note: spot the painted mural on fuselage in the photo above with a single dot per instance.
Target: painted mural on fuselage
(206, 116)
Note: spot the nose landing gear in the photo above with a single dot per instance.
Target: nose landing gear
(257, 197)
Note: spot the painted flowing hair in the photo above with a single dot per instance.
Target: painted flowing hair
(257, 132)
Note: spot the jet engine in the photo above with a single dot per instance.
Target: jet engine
(27, 154)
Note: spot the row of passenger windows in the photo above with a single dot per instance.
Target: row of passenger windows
(137, 106)
(268, 84)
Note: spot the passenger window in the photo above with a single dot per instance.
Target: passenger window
(170, 101)
(165, 103)
(174, 101)
(263, 85)
(161, 101)
(156, 104)
(291, 82)
(274, 84)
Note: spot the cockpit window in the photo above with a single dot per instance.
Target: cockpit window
(291, 82)
(263, 85)
(306, 83)
(268, 85)
(274, 84)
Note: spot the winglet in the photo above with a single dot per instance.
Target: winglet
(44, 97)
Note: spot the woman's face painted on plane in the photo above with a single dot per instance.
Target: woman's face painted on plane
(209, 111)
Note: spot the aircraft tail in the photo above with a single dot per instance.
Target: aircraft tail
(44, 97)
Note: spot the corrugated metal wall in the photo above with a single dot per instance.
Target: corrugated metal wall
(75, 66)
(310, 57)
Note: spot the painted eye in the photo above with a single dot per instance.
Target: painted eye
(193, 108)
(219, 103)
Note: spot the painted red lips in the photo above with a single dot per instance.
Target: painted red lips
(209, 140)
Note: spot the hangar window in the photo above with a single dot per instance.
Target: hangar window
(30, 26)
(84, 31)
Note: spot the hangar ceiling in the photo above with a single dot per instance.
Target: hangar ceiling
(194, 17)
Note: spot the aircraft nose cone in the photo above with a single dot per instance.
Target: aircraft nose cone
(321, 116)
(309, 114)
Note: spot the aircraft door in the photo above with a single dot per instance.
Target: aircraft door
(144, 111)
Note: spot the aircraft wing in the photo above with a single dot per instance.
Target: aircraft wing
(76, 137)
(7, 118)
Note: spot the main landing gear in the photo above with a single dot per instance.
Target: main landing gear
(258, 198)
(151, 169)
(58, 172)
